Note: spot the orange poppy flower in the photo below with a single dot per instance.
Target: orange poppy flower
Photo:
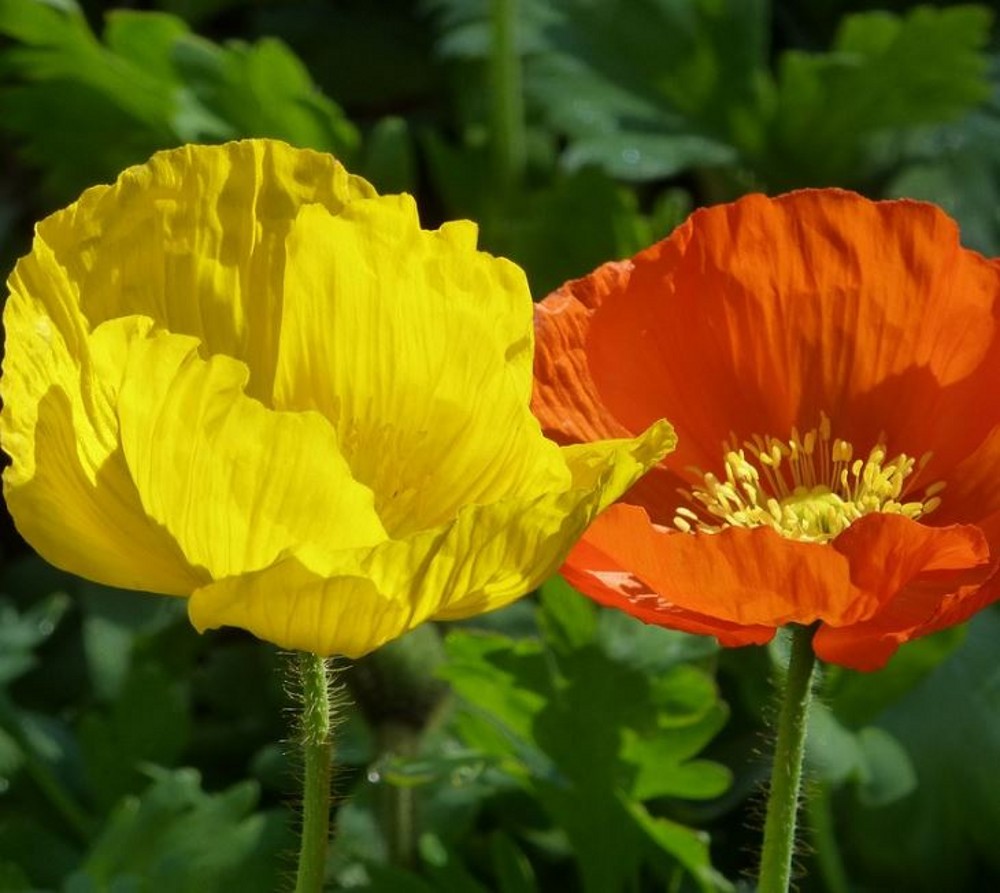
(832, 368)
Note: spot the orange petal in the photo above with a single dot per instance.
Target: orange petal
(756, 316)
(924, 578)
(565, 398)
(754, 579)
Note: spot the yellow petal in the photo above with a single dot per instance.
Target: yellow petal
(417, 348)
(487, 556)
(68, 488)
(194, 239)
(236, 484)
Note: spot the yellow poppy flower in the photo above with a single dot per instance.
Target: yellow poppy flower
(240, 375)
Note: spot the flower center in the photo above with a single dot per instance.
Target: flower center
(806, 488)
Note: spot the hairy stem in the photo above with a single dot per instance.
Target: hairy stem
(317, 749)
(786, 773)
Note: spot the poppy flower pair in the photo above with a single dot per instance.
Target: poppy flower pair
(241, 376)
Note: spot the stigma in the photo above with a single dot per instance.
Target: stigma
(807, 488)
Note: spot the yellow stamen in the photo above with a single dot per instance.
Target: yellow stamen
(807, 488)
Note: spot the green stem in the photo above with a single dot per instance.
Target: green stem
(507, 99)
(786, 773)
(398, 803)
(831, 866)
(317, 746)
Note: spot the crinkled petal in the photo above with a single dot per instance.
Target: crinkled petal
(601, 577)
(485, 557)
(566, 399)
(237, 485)
(431, 402)
(193, 239)
(817, 301)
(738, 578)
(883, 581)
(68, 487)
(924, 578)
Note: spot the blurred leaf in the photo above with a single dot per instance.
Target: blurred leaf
(147, 724)
(644, 89)
(443, 870)
(688, 846)
(376, 56)
(886, 772)
(12, 878)
(84, 110)
(259, 89)
(43, 855)
(176, 838)
(22, 632)
(883, 72)
(386, 879)
(646, 647)
(937, 837)
(113, 621)
(858, 698)
(641, 156)
(653, 87)
(389, 160)
(568, 620)
(871, 757)
(957, 168)
(511, 867)
(195, 11)
(11, 757)
(832, 751)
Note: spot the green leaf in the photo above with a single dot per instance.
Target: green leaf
(444, 871)
(114, 622)
(389, 160)
(833, 752)
(938, 836)
(21, 633)
(589, 736)
(858, 698)
(644, 89)
(883, 72)
(644, 156)
(688, 846)
(42, 854)
(174, 837)
(659, 78)
(531, 228)
(83, 110)
(12, 878)
(957, 168)
(147, 724)
(259, 89)
(568, 619)
(646, 647)
(886, 772)
(513, 871)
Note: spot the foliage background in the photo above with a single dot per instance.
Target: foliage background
(551, 746)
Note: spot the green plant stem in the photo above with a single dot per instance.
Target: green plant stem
(507, 99)
(831, 866)
(786, 773)
(317, 746)
(398, 802)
